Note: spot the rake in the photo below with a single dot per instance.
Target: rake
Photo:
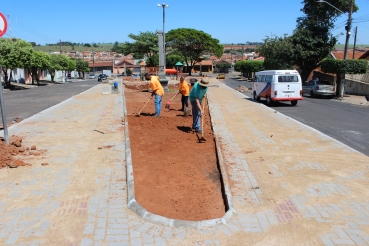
(138, 115)
(167, 105)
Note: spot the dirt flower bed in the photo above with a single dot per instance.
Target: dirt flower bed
(175, 175)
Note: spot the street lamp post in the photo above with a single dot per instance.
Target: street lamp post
(163, 5)
(348, 33)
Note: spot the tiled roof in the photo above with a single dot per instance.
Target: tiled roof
(204, 63)
(339, 54)
(100, 63)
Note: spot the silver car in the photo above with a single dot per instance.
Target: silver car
(318, 88)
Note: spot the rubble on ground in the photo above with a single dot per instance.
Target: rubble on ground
(8, 152)
(242, 88)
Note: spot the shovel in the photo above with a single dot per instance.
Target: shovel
(138, 115)
(170, 102)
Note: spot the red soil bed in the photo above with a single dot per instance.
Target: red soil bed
(175, 175)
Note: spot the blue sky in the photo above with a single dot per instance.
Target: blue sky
(232, 21)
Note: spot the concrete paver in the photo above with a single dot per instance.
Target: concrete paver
(290, 184)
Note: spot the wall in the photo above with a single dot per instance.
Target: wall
(356, 87)
(357, 84)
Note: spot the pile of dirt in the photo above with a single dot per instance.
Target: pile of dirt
(242, 88)
(176, 176)
(9, 152)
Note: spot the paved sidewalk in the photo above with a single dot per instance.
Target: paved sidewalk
(291, 185)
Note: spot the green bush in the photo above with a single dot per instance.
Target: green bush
(344, 66)
(249, 66)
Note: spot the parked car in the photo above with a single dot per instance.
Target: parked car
(102, 77)
(221, 76)
(318, 88)
(92, 76)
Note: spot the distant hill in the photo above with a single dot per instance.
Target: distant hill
(108, 46)
(56, 48)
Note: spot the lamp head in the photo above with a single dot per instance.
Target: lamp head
(159, 5)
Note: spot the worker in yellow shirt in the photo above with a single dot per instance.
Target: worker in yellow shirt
(185, 91)
(157, 91)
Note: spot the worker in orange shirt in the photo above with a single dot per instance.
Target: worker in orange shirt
(185, 91)
(157, 91)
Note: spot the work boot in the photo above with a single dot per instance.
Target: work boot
(199, 131)
(156, 116)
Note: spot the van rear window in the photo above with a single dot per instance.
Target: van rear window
(288, 78)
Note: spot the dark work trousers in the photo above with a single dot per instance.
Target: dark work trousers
(184, 101)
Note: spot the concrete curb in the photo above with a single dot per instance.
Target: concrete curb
(161, 220)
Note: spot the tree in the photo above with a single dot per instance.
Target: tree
(82, 67)
(118, 48)
(145, 45)
(249, 66)
(39, 61)
(128, 72)
(312, 39)
(190, 44)
(57, 63)
(278, 53)
(14, 53)
(339, 67)
(172, 59)
(71, 65)
(152, 61)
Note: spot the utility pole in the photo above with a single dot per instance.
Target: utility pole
(348, 33)
(60, 53)
(348, 29)
(353, 52)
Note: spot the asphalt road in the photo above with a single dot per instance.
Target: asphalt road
(344, 122)
(27, 102)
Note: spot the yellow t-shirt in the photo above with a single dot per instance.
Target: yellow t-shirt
(183, 87)
(156, 86)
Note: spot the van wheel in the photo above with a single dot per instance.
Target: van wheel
(294, 103)
(256, 98)
(269, 101)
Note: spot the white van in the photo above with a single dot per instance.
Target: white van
(277, 85)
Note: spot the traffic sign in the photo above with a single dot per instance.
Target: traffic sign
(3, 24)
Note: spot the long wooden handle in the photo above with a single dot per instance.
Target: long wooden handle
(144, 106)
(173, 97)
(202, 119)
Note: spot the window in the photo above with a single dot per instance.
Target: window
(268, 78)
(288, 78)
(261, 78)
(323, 82)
